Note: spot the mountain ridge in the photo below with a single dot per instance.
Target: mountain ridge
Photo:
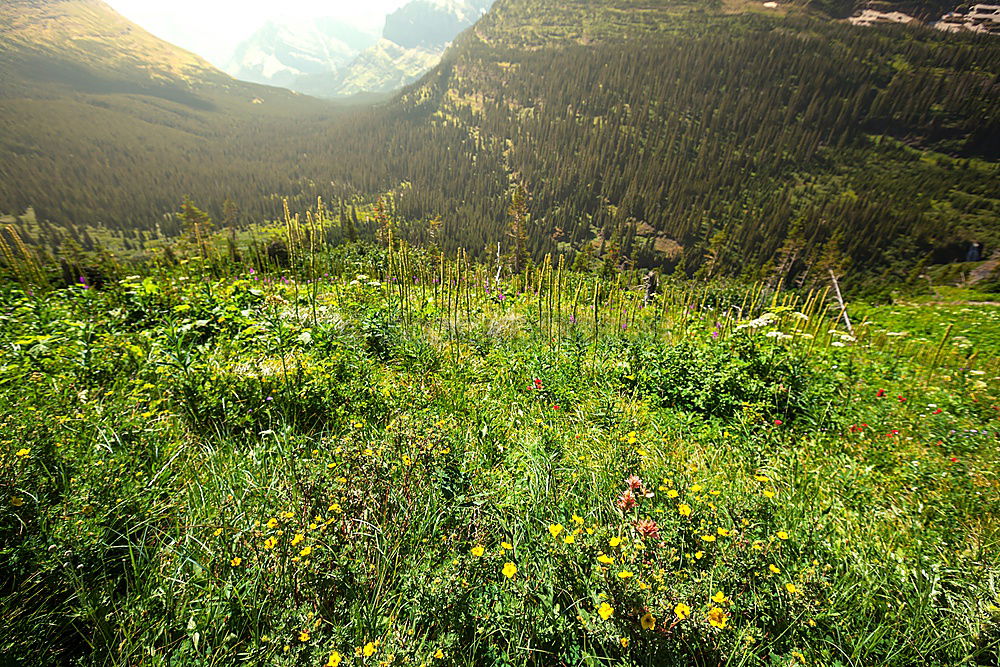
(751, 142)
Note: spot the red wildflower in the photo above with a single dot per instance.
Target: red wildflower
(778, 422)
(901, 399)
(627, 500)
(880, 394)
(647, 528)
(634, 482)
(555, 407)
(954, 460)
(938, 411)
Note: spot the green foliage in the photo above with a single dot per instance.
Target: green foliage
(269, 468)
(721, 380)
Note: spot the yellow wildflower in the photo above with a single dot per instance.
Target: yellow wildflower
(672, 493)
(439, 654)
(236, 561)
(791, 588)
(306, 551)
(774, 568)
(624, 574)
(682, 610)
(478, 551)
(578, 520)
(507, 545)
(272, 523)
(605, 610)
(23, 452)
(604, 558)
(684, 509)
(647, 621)
(569, 539)
(708, 538)
(304, 636)
(334, 660)
(16, 501)
(270, 542)
(782, 535)
(719, 598)
(509, 570)
(723, 532)
(615, 541)
(369, 649)
(298, 538)
(555, 529)
(717, 617)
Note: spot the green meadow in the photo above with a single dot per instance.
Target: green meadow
(372, 455)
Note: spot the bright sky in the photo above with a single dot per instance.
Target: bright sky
(213, 28)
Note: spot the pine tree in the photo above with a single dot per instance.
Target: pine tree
(518, 212)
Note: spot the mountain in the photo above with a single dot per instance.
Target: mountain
(383, 67)
(413, 40)
(431, 23)
(705, 138)
(711, 138)
(61, 37)
(283, 53)
(327, 58)
(101, 122)
(52, 47)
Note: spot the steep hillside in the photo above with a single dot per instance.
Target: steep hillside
(102, 122)
(91, 34)
(720, 140)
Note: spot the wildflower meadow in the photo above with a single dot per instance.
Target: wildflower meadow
(386, 456)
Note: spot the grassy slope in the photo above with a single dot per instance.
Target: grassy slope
(263, 469)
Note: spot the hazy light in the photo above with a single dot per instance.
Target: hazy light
(213, 28)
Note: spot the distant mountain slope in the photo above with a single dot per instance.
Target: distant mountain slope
(53, 46)
(431, 23)
(326, 58)
(101, 121)
(283, 53)
(413, 40)
(90, 32)
(383, 67)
